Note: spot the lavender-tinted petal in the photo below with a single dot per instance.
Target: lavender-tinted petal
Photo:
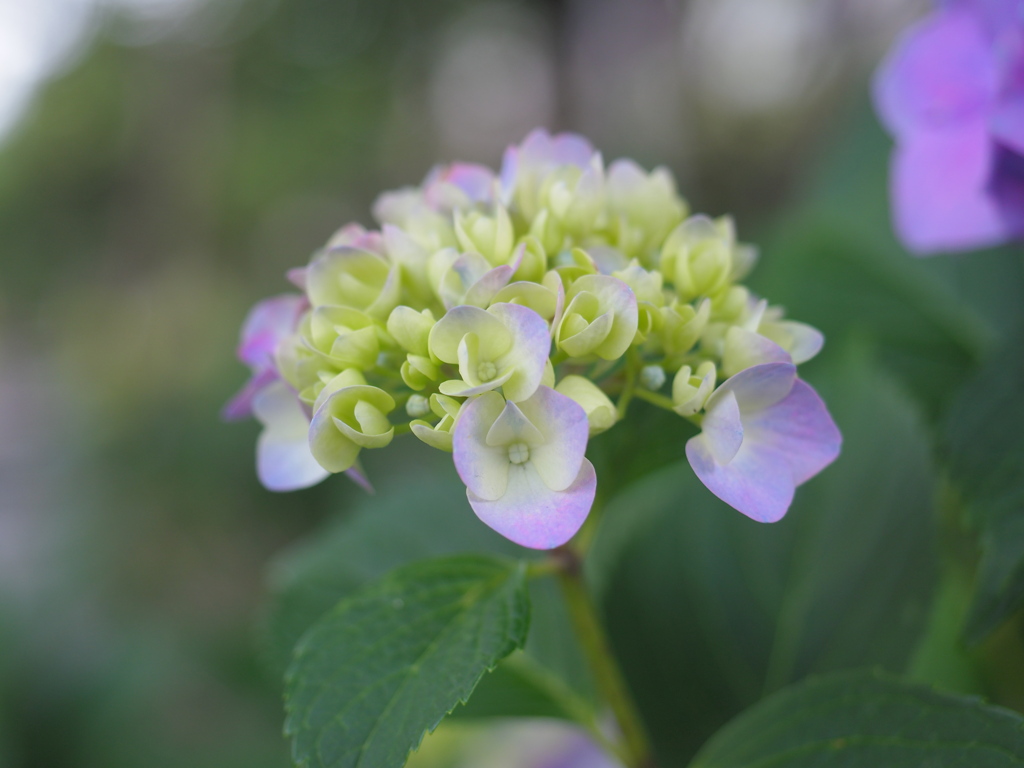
(267, 323)
(531, 344)
(483, 468)
(758, 482)
(758, 386)
(722, 428)
(534, 516)
(283, 459)
(940, 192)
(800, 428)
(563, 423)
(240, 406)
(358, 476)
(940, 73)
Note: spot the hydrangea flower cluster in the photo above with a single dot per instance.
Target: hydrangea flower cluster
(496, 316)
(952, 94)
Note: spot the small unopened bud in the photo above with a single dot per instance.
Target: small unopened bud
(417, 406)
(652, 377)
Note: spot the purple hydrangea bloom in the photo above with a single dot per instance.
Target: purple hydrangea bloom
(952, 94)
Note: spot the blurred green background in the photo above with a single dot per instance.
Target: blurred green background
(163, 162)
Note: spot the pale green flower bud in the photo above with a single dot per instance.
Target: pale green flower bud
(744, 255)
(407, 209)
(576, 196)
(418, 371)
(547, 231)
(574, 264)
(697, 258)
(652, 377)
(411, 329)
(682, 326)
(534, 262)
(344, 337)
(643, 207)
(601, 318)
(438, 435)
(349, 277)
(733, 305)
(689, 391)
(800, 340)
(542, 299)
(601, 413)
(349, 415)
(490, 236)
(417, 406)
(650, 295)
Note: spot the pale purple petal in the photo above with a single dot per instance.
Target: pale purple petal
(473, 182)
(940, 191)
(941, 73)
(758, 387)
(531, 344)
(266, 325)
(531, 514)
(358, 476)
(800, 428)
(745, 349)
(722, 428)
(483, 468)
(758, 482)
(563, 423)
(240, 406)
(283, 459)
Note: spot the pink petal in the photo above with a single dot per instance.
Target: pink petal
(563, 423)
(941, 73)
(800, 428)
(283, 458)
(939, 191)
(758, 482)
(531, 514)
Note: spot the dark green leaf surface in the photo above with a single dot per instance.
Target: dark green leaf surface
(388, 663)
(708, 609)
(863, 720)
(426, 516)
(985, 438)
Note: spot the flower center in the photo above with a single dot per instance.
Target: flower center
(486, 371)
(518, 453)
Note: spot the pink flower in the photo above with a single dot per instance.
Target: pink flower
(764, 433)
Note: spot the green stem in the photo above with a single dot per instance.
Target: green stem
(654, 398)
(630, 386)
(636, 750)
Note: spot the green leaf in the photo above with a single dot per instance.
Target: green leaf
(426, 516)
(985, 442)
(867, 720)
(708, 610)
(375, 674)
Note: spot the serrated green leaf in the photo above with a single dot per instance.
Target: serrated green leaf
(424, 517)
(375, 674)
(985, 440)
(867, 720)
